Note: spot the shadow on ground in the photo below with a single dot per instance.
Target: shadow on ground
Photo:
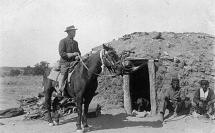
(109, 121)
(68, 119)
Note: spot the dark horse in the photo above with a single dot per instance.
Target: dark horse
(84, 82)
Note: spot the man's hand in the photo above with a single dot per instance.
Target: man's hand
(69, 55)
(209, 103)
(201, 104)
(207, 107)
(77, 58)
(76, 53)
(72, 54)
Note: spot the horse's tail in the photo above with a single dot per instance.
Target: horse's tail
(45, 75)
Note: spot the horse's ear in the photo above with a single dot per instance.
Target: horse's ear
(105, 47)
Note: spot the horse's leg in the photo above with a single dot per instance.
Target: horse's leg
(79, 106)
(86, 107)
(55, 106)
(87, 99)
(48, 93)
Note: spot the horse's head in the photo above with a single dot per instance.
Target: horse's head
(111, 60)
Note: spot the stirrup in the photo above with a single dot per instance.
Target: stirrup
(56, 94)
(59, 94)
(63, 100)
(73, 99)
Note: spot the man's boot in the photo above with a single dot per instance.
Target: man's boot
(73, 97)
(161, 117)
(61, 86)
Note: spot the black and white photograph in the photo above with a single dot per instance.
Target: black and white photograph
(107, 66)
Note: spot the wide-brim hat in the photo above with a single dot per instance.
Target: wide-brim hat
(175, 79)
(70, 28)
(204, 82)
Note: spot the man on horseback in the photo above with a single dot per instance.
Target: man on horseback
(83, 82)
(69, 52)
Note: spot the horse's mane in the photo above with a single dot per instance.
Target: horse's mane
(87, 55)
(85, 58)
(111, 48)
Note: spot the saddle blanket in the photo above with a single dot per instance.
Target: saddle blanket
(54, 75)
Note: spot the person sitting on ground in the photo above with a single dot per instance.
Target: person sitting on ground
(204, 98)
(174, 100)
(142, 104)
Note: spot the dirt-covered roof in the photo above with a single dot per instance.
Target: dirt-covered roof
(192, 52)
(155, 44)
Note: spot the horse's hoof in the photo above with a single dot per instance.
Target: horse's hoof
(55, 123)
(51, 124)
(80, 131)
(75, 110)
(86, 129)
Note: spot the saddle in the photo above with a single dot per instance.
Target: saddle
(56, 76)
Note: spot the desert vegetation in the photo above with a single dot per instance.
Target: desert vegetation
(14, 88)
(37, 69)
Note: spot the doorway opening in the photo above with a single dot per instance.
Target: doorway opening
(140, 89)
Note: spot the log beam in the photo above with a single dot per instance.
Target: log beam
(151, 69)
(127, 96)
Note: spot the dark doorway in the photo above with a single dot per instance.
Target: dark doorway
(140, 89)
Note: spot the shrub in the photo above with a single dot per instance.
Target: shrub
(15, 72)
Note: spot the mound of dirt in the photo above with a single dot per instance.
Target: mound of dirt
(192, 60)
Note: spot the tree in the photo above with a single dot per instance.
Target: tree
(40, 68)
(44, 64)
(14, 72)
(28, 70)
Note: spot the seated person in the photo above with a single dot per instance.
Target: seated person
(204, 98)
(174, 100)
(142, 104)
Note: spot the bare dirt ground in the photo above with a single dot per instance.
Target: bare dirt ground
(111, 121)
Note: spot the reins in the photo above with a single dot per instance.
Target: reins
(101, 57)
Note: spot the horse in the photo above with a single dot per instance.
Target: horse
(84, 83)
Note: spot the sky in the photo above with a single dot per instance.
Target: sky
(31, 29)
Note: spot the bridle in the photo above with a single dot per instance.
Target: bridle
(103, 58)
